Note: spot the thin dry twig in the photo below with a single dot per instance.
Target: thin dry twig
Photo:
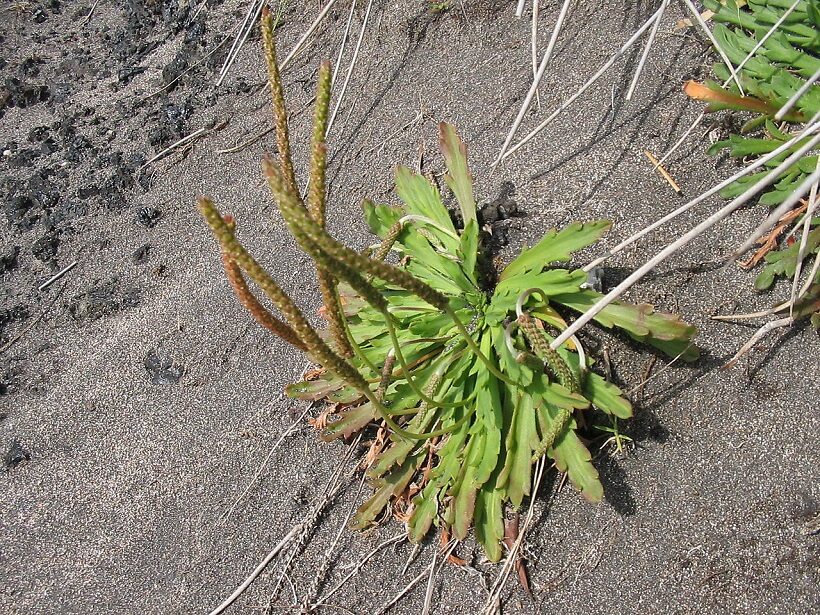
(90, 13)
(649, 41)
(177, 144)
(359, 565)
(300, 43)
(323, 567)
(775, 324)
(251, 17)
(494, 599)
(57, 276)
(333, 487)
(780, 210)
(769, 241)
(534, 49)
(801, 251)
(732, 76)
(647, 378)
(663, 172)
(715, 44)
(350, 68)
(535, 82)
(418, 578)
(291, 428)
(258, 570)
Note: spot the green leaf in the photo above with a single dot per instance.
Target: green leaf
(459, 178)
(572, 457)
(422, 198)
(640, 321)
(425, 509)
(388, 488)
(316, 389)
(557, 246)
(380, 217)
(521, 440)
(350, 421)
(606, 396)
(489, 521)
(489, 417)
(463, 492)
(549, 282)
(468, 251)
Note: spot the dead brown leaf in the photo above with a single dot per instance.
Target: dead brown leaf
(769, 241)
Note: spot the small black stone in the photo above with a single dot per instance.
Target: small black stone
(141, 254)
(8, 258)
(15, 455)
(161, 368)
(148, 216)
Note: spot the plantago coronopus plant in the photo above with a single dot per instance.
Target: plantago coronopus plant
(458, 372)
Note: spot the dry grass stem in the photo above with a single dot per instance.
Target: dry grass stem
(251, 17)
(591, 81)
(258, 570)
(494, 599)
(732, 76)
(535, 82)
(291, 428)
(781, 210)
(534, 48)
(812, 127)
(427, 570)
(649, 41)
(715, 44)
(350, 68)
(321, 573)
(675, 246)
(357, 568)
(57, 276)
(801, 251)
(775, 324)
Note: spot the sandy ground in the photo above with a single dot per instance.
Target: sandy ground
(123, 504)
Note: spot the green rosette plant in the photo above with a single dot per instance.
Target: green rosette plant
(456, 372)
(781, 73)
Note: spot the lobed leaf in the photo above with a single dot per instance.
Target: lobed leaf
(459, 178)
(557, 246)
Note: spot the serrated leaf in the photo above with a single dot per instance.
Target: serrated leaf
(425, 509)
(557, 246)
(489, 521)
(314, 390)
(463, 492)
(459, 178)
(521, 440)
(488, 416)
(606, 396)
(550, 282)
(640, 321)
(389, 487)
(572, 457)
(468, 251)
(380, 217)
(350, 421)
(422, 198)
